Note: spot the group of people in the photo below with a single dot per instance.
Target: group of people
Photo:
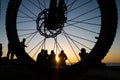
(46, 59)
(43, 57)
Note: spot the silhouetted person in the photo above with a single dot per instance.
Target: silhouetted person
(39, 56)
(62, 57)
(83, 54)
(10, 53)
(23, 44)
(52, 59)
(45, 58)
(1, 50)
(42, 57)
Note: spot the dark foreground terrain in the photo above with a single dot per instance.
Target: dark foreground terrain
(34, 72)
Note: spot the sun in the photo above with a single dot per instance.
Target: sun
(57, 59)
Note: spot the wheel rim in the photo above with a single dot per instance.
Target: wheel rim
(95, 48)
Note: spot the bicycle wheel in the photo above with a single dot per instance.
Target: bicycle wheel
(89, 25)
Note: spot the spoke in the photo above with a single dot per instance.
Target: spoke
(79, 6)
(72, 40)
(90, 18)
(31, 38)
(71, 4)
(90, 23)
(86, 23)
(39, 5)
(80, 37)
(58, 46)
(26, 17)
(32, 2)
(43, 47)
(42, 43)
(44, 3)
(26, 29)
(83, 29)
(85, 13)
(54, 45)
(27, 34)
(81, 44)
(29, 10)
(71, 46)
(26, 14)
(76, 41)
(38, 48)
(67, 1)
(25, 21)
(35, 46)
(36, 51)
(82, 21)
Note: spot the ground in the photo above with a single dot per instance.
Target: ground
(15, 72)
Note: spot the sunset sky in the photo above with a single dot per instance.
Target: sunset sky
(112, 56)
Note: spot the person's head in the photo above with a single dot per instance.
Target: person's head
(62, 51)
(83, 50)
(24, 39)
(0, 45)
(52, 52)
(46, 51)
(42, 50)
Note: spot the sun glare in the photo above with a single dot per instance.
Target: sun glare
(57, 59)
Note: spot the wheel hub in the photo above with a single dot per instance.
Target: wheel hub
(48, 27)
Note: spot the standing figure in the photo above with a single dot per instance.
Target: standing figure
(1, 50)
(10, 53)
(45, 57)
(42, 58)
(83, 54)
(23, 44)
(62, 57)
(52, 59)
